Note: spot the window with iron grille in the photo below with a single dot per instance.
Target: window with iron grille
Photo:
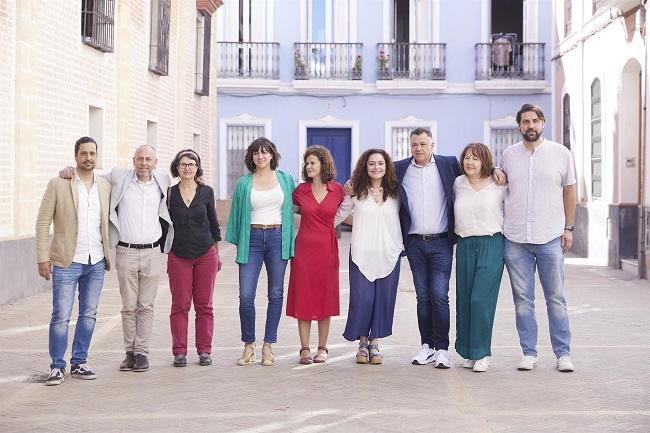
(401, 142)
(500, 139)
(159, 46)
(203, 30)
(238, 138)
(566, 121)
(596, 142)
(97, 24)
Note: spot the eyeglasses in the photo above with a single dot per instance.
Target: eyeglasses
(190, 165)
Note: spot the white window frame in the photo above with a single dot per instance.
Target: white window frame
(507, 122)
(328, 122)
(243, 119)
(408, 122)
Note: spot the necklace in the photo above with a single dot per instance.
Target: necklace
(377, 195)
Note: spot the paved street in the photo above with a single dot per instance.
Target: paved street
(609, 392)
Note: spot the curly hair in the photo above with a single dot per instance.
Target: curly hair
(258, 145)
(360, 180)
(327, 168)
(186, 153)
(482, 152)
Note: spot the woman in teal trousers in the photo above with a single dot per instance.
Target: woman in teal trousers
(478, 206)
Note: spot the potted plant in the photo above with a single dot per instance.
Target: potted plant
(383, 61)
(357, 69)
(299, 65)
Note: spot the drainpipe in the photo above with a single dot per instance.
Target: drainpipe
(643, 272)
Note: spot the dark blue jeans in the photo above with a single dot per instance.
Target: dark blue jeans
(265, 247)
(430, 263)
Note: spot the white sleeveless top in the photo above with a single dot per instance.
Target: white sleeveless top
(266, 206)
(376, 242)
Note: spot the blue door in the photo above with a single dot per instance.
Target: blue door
(339, 142)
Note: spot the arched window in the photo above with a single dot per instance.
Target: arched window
(596, 142)
(566, 121)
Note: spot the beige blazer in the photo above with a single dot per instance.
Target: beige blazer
(60, 204)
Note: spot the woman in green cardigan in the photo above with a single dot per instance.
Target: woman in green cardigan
(261, 226)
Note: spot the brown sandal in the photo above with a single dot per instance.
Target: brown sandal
(321, 357)
(307, 358)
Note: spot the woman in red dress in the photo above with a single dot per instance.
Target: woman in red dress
(314, 281)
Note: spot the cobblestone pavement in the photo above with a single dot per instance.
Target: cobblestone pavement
(609, 392)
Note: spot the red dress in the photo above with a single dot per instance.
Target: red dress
(314, 280)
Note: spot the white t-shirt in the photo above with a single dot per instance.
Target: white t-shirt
(266, 206)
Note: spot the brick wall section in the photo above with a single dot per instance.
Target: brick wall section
(48, 80)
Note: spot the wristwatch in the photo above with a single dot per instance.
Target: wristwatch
(569, 227)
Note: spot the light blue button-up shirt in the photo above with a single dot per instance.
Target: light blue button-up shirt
(426, 198)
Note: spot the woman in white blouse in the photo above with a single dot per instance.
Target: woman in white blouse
(478, 208)
(375, 250)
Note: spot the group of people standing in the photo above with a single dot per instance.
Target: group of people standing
(419, 207)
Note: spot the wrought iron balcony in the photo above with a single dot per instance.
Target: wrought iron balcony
(327, 61)
(504, 59)
(411, 61)
(248, 60)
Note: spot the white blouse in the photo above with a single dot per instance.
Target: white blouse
(478, 213)
(376, 242)
(266, 206)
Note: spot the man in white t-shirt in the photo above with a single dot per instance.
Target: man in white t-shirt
(538, 226)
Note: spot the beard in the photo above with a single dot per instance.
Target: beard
(531, 136)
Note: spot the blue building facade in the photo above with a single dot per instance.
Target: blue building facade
(359, 74)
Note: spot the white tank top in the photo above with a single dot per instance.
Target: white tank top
(266, 206)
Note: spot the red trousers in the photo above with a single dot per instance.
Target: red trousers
(192, 280)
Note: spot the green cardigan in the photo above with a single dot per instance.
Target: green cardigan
(238, 231)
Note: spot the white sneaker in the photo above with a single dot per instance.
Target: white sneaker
(426, 355)
(527, 363)
(481, 365)
(564, 363)
(442, 359)
(469, 363)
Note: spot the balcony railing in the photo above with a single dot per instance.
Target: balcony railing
(507, 60)
(411, 61)
(248, 60)
(327, 61)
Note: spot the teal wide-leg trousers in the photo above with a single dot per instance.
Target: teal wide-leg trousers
(479, 267)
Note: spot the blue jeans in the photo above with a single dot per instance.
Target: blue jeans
(265, 247)
(431, 267)
(90, 279)
(521, 260)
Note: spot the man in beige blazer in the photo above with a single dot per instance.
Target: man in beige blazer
(77, 257)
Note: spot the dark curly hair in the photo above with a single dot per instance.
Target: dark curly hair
(360, 180)
(482, 152)
(258, 145)
(187, 153)
(327, 168)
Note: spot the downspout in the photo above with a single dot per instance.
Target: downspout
(643, 272)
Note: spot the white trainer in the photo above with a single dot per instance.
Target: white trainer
(481, 365)
(442, 359)
(469, 363)
(527, 363)
(426, 355)
(564, 364)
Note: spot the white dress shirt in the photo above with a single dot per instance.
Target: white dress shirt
(534, 204)
(376, 242)
(89, 233)
(138, 212)
(478, 213)
(426, 198)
